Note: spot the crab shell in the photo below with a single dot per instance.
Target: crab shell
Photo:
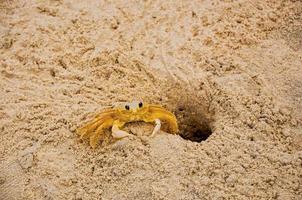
(122, 114)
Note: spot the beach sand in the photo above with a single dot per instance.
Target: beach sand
(229, 70)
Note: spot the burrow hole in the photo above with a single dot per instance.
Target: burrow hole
(194, 123)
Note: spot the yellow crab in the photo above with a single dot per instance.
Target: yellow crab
(117, 116)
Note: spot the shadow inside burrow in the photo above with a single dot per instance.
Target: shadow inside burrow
(191, 106)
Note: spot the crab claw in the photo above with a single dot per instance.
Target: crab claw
(117, 132)
(156, 128)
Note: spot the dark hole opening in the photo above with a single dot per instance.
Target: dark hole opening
(192, 109)
(193, 125)
(197, 135)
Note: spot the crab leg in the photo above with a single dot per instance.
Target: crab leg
(95, 138)
(96, 135)
(156, 128)
(117, 132)
(88, 129)
(159, 112)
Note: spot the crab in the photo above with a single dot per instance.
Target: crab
(117, 116)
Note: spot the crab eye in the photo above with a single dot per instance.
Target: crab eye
(140, 104)
(127, 107)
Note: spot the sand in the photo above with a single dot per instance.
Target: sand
(229, 70)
